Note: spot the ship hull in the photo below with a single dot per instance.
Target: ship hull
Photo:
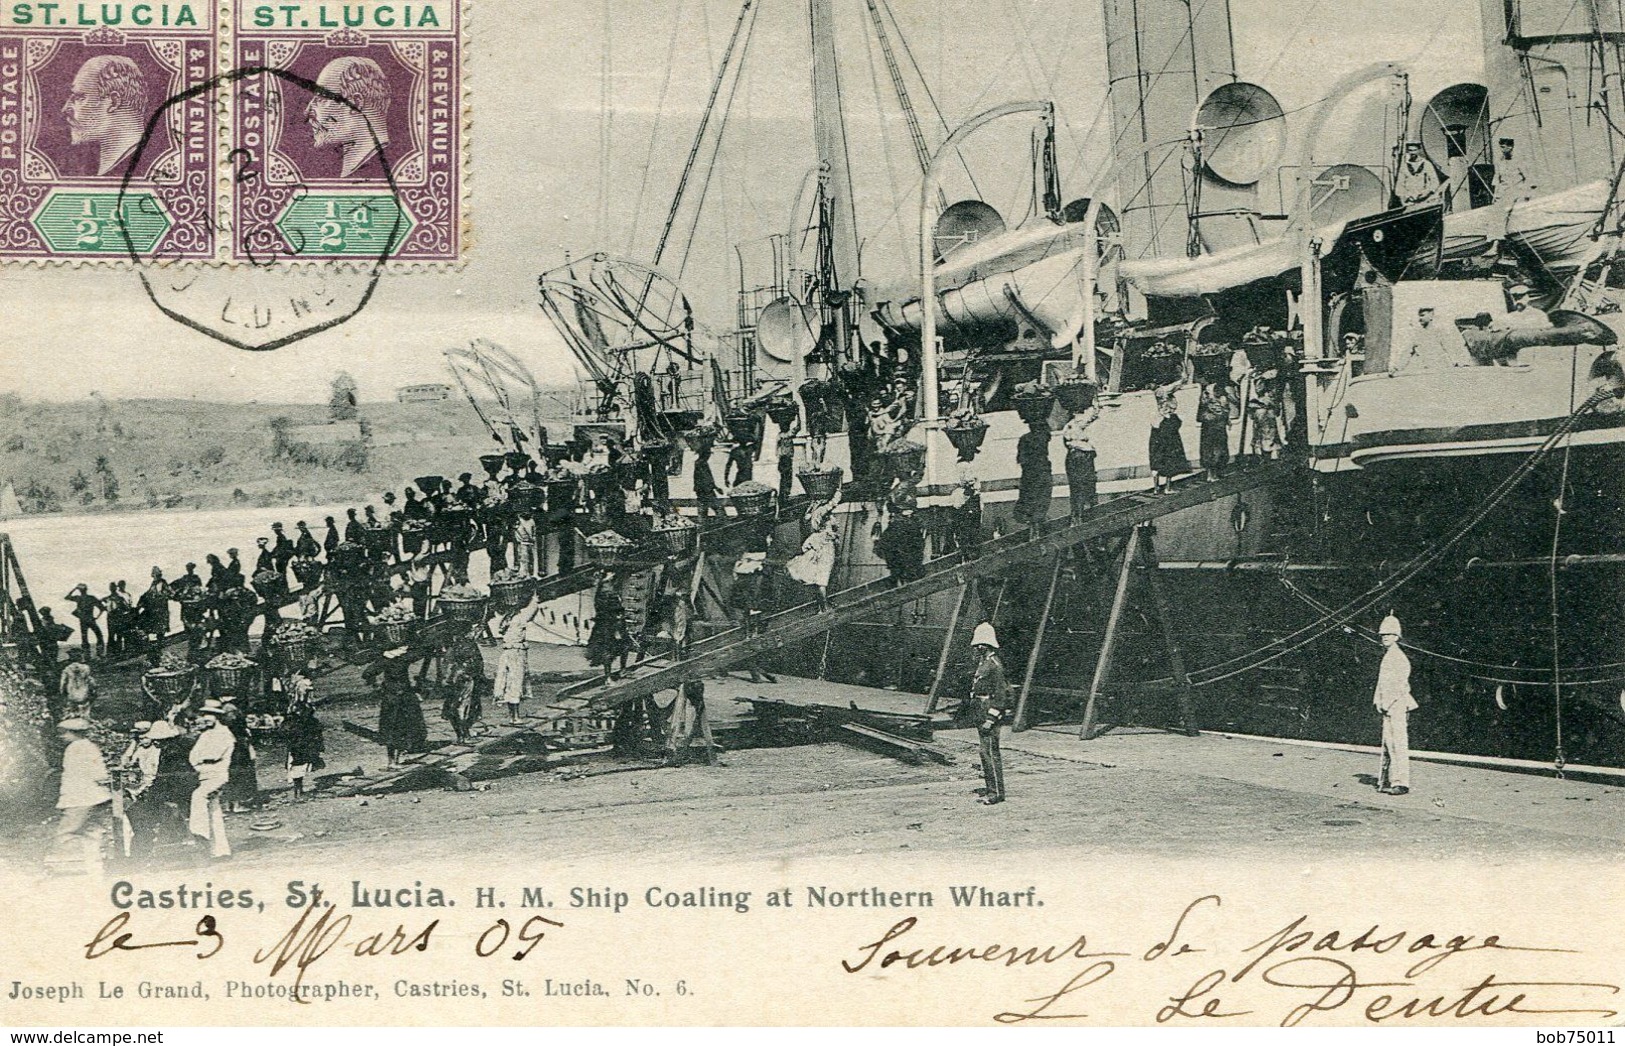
(1244, 571)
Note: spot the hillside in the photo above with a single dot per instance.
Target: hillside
(110, 455)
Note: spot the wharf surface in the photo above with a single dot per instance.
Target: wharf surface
(1129, 792)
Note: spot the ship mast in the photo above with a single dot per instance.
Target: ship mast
(1163, 57)
(840, 271)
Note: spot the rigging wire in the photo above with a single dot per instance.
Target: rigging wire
(727, 108)
(745, 13)
(930, 96)
(850, 203)
(1337, 618)
(606, 121)
(1139, 112)
(1100, 112)
(1042, 80)
(654, 131)
(1307, 634)
(1557, 533)
(742, 170)
(885, 140)
(1135, 120)
(1476, 669)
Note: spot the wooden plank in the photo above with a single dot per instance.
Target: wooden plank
(866, 738)
(363, 731)
(1176, 657)
(1109, 642)
(947, 649)
(721, 652)
(1060, 691)
(905, 748)
(1019, 721)
(23, 596)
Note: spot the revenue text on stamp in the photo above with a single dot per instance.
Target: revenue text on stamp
(79, 86)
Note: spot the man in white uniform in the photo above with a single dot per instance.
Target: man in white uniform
(1432, 346)
(84, 784)
(1417, 180)
(1394, 702)
(211, 758)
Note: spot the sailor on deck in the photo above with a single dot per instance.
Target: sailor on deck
(1418, 179)
(1432, 347)
(990, 691)
(1394, 702)
(1511, 184)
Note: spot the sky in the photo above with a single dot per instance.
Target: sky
(538, 189)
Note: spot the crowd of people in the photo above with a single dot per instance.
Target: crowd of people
(373, 559)
(527, 520)
(191, 760)
(176, 777)
(184, 769)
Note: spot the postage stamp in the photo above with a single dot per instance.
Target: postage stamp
(337, 130)
(79, 84)
(348, 143)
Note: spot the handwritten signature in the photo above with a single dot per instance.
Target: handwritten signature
(1307, 970)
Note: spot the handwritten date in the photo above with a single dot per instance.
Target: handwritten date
(321, 930)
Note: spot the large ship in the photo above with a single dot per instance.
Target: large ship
(1461, 471)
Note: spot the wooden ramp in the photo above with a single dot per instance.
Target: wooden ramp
(721, 652)
(992, 558)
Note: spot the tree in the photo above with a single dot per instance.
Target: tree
(279, 435)
(79, 482)
(107, 481)
(40, 496)
(341, 400)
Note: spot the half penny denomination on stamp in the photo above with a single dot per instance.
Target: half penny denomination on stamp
(376, 151)
(79, 85)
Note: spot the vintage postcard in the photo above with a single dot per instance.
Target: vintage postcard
(812, 512)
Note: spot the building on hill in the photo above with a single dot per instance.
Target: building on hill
(10, 507)
(427, 392)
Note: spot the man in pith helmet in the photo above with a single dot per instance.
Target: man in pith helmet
(990, 691)
(1394, 702)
